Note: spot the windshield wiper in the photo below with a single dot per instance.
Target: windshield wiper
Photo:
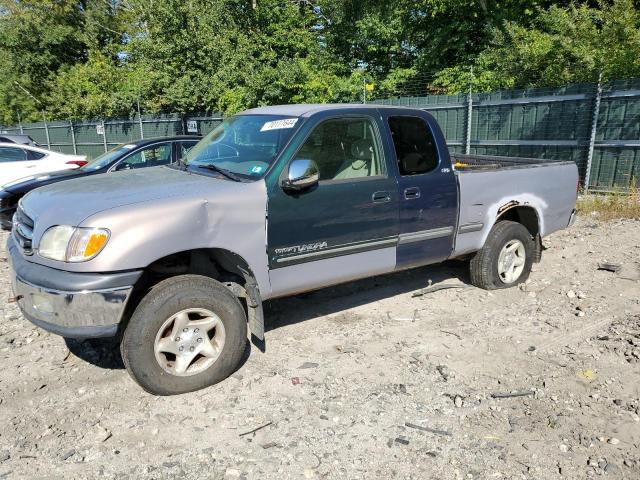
(221, 171)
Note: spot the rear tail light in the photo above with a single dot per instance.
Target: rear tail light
(80, 163)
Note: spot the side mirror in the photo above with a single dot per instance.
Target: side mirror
(303, 173)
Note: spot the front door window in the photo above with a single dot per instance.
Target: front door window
(344, 149)
(152, 156)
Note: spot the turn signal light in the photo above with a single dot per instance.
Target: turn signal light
(95, 243)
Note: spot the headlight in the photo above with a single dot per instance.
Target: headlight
(71, 244)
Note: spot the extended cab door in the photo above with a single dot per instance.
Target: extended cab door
(428, 188)
(346, 226)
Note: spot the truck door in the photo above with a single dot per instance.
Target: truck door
(346, 226)
(428, 189)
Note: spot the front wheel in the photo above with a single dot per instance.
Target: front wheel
(505, 259)
(187, 333)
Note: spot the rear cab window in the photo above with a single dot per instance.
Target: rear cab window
(414, 144)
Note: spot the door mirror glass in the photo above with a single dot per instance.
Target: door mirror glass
(303, 173)
(123, 166)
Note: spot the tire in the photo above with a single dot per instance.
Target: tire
(205, 302)
(484, 266)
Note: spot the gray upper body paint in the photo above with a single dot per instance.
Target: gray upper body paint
(154, 213)
(484, 193)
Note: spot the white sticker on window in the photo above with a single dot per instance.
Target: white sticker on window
(129, 147)
(279, 124)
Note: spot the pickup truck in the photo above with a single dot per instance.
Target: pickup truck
(176, 261)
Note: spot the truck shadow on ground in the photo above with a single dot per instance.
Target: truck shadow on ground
(290, 310)
(105, 353)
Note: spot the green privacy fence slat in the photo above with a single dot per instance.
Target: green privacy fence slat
(540, 123)
(553, 123)
(85, 138)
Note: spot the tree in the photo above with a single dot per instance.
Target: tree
(41, 40)
(226, 55)
(564, 45)
(87, 58)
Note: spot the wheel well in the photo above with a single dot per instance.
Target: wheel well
(225, 266)
(525, 215)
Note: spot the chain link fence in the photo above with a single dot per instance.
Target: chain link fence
(94, 137)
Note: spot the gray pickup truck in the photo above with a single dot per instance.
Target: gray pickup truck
(177, 260)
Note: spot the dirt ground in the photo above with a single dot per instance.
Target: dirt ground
(365, 380)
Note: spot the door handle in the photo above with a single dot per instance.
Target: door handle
(411, 193)
(381, 197)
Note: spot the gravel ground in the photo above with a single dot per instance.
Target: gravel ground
(365, 380)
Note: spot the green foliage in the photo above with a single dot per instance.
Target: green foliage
(564, 45)
(90, 58)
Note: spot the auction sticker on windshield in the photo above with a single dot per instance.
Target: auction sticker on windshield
(279, 124)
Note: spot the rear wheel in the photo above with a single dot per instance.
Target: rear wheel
(505, 259)
(187, 333)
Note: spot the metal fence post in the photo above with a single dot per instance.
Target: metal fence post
(467, 148)
(140, 121)
(46, 130)
(20, 125)
(73, 139)
(104, 137)
(592, 137)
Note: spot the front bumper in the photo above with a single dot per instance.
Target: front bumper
(572, 218)
(59, 302)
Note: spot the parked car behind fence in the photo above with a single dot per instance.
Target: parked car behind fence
(18, 161)
(130, 156)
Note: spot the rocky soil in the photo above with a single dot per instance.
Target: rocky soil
(374, 379)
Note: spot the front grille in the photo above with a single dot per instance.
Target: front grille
(23, 230)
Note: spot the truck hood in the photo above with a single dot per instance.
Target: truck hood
(72, 201)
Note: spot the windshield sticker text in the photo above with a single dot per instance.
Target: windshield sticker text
(311, 247)
(279, 124)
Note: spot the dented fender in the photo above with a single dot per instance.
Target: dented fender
(159, 213)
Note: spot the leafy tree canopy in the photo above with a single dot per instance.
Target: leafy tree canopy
(91, 58)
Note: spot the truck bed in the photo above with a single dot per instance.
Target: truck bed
(469, 163)
(490, 185)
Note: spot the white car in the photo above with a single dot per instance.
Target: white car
(18, 161)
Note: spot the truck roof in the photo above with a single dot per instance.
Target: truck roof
(299, 110)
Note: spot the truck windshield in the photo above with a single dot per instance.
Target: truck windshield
(244, 145)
